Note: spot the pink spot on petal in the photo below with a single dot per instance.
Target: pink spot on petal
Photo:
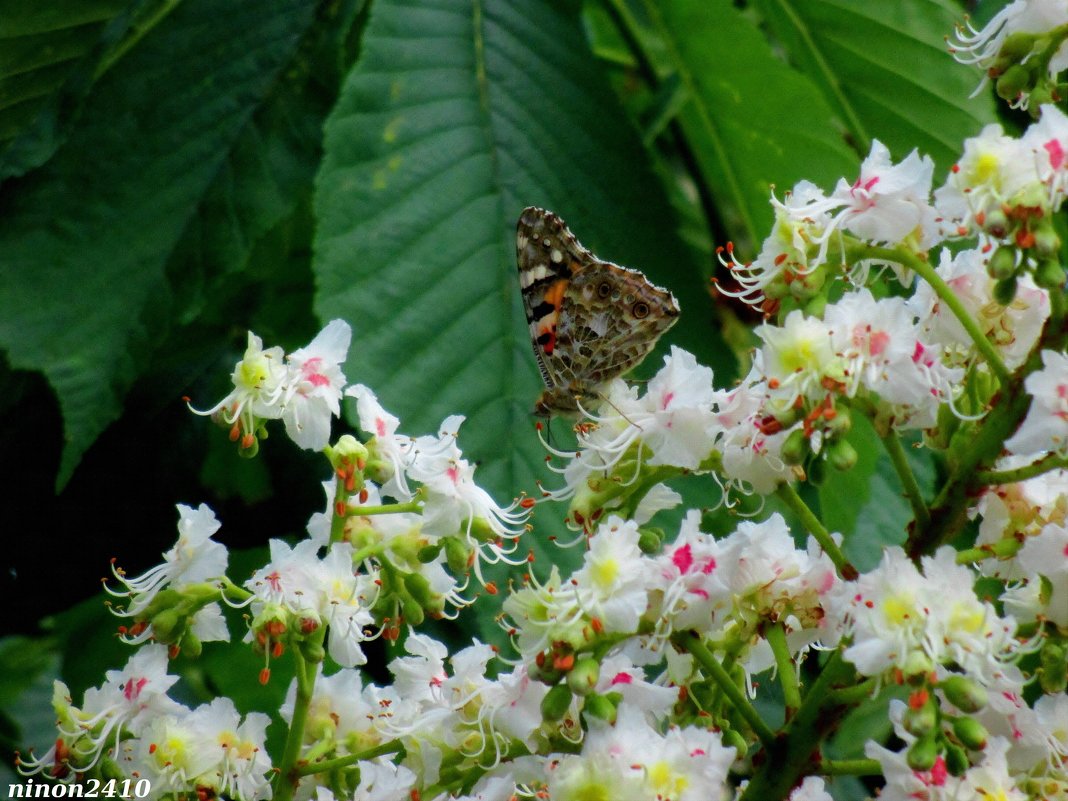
(133, 688)
(1056, 153)
(622, 678)
(683, 558)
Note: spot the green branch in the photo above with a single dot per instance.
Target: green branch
(809, 520)
(908, 480)
(946, 295)
(850, 767)
(288, 775)
(391, 747)
(692, 643)
(384, 509)
(785, 666)
(1052, 461)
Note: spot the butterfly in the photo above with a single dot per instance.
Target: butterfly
(590, 320)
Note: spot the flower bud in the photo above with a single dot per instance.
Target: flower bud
(582, 678)
(1049, 274)
(556, 703)
(923, 753)
(1053, 670)
(457, 555)
(956, 760)
(168, 626)
(842, 455)
(1005, 290)
(733, 739)
(1017, 46)
(1012, 82)
(1002, 264)
(1047, 242)
(428, 553)
(191, 645)
(971, 733)
(964, 693)
(996, 223)
(922, 720)
(600, 706)
(412, 610)
(795, 448)
(650, 539)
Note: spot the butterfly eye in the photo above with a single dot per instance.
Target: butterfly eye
(640, 309)
(604, 289)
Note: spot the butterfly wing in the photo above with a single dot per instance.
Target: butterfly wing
(589, 320)
(548, 256)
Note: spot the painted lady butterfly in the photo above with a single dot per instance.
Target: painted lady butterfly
(590, 320)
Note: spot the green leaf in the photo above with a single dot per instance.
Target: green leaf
(752, 122)
(886, 71)
(455, 118)
(85, 239)
(50, 56)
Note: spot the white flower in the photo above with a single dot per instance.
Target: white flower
(194, 558)
(259, 387)
(389, 446)
(1022, 16)
(752, 440)
(314, 384)
(800, 224)
(901, 618)
(611, 582)
(811, 789)
(993, 170)
(795, 359)
(1014, 328)
(1047, 555)
(1046, 426)
(1047, 140)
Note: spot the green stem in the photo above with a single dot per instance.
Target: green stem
(947, 296)
(692, 643)
(809, 520)
(797, 747)
(785, 667)
(288, 776)
(850, 767)
(856, 693)
(337, 522)
(1052, 461)
(385, 509)
(1002, 549)
(908, 480)
(391, 747)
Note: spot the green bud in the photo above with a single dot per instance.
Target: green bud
(842, 455)
(1012, 81)
(996, 223)
(916, 668)
(191, 645)
(964, 693)
(956, 760)
(806, 286)
(428, 553)
(348, 449)
(1005, 290)
(971, 733)
(795, 448)
(600, 707)
(817, 471)
(168, 626)
(412, 610)
(109, 769)
(482, 531)
(582, 678)
(251, 451)
(419, 587)
(923, 753)
(1047, 242)
(313, 651)
(1041, 93)
(457, 554)
(777, 289)
(545, 672)
(556, 703)
(650, 539)
(733, 739)
(1002, 264)
(816, 306)
(1049, 274)
(1053, 670)
(1017, 45)
(842, 422)
(921, 721)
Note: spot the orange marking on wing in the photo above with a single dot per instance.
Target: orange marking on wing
(555, 294)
